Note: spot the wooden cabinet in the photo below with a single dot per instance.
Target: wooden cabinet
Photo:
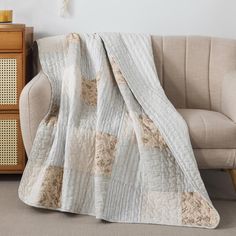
(15, 51)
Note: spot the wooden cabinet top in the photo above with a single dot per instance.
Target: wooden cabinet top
(12, 27)
(15, 37)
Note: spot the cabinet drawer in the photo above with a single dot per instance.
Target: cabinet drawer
(12, 155)
(11, 41)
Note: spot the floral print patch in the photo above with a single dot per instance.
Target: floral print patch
(89, 92)
(117, 72)
(151, 136)
(197, 211)
(50, 192)
(105, 153)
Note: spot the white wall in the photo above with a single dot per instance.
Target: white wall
(201, 17)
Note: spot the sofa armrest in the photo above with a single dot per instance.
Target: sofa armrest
(34, 105)
(229, 96)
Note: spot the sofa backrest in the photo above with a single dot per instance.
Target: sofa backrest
(191, 69)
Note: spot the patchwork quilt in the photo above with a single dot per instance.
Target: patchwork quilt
(112, 144)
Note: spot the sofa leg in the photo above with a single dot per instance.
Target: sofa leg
(233, 176)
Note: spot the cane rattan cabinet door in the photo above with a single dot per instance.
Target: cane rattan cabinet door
(11, 80)
(12, 154)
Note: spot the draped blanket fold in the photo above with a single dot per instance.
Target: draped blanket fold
(112, 145)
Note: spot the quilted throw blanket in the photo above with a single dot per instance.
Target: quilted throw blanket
(112, 145)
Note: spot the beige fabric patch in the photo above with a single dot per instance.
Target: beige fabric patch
(151, 136)
(197, 211)
(117, 72)
(89, 92)
(29, 178)
(50, 192)
(81, 141)
(161, 207)
(105, 153)
(73, 38)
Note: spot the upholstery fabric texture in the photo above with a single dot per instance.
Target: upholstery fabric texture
(105, 148)
(34, 105)
(209, 129)
(229, 95)
(192, 69)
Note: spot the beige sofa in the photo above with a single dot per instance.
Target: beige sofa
(198, 75)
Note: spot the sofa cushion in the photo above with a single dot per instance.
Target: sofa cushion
(215, 158)
(209, 129)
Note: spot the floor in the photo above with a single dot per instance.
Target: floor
(17, 219)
